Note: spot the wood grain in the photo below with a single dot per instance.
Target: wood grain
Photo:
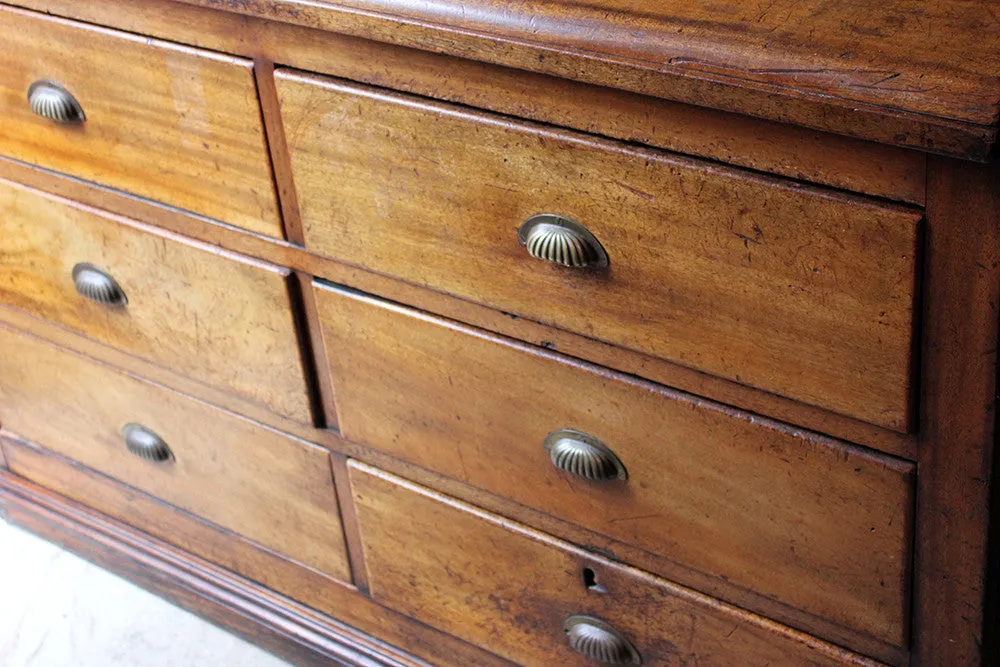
(112, 356)
(768, 146)
(800, 292)
(283, 253)
(305, 632)
(167, 122)
(539, 520)
(222, 319)
(901, 71)
(267, 487)
(958, 404)
(618, 551)
(352, 532)
(277, 148)
(794, 516)
(509, 589)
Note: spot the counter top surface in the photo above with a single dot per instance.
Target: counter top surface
(910, 72)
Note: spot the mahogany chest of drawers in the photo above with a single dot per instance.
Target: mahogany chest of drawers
(478, 333)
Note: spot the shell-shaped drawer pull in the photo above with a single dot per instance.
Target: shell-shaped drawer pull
(600, 642)
(559, 240)
(145, 444)
(97, 285)
(53, 102)
(584, 456)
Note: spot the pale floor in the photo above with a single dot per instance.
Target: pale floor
(57, 610)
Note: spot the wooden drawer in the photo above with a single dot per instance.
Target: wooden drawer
(803, 520)
(265, 486)
(219, 318)
(175, 124)
(510, 589)
(792, 289)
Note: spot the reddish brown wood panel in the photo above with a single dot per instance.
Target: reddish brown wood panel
(958, 406)
(794, 516)
(263, 71)
(330, 622)
(314, 352)
(509, 589)
(768, 146)
(283, 253)
(163, 121)
(272, 489)
(801, 292)
(218, 318)
(901, 71)
(352, 531)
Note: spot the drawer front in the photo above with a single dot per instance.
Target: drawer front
(510, 590)
(812, 523)
(221, 319)
(262, 485)
(167, 122)
(791, 289)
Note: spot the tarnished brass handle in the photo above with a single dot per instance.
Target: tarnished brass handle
(595, 639)
(97, 285)
(584, 456)
(53, 102)
(145, 444)
(559, 240)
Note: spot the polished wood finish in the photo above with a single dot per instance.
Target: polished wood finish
(768, 146)
(158, 374)
(163, 121)
(958, 404)
(641, 559)
(804, 293)
(539, 520)
(222, 319)
(277, 252)
(571, 70)
(791, 515)
(263, 71)
(863, 70)
(302, 632)
(509, 589)
(267, 487)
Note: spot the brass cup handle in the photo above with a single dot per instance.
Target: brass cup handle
(144, 443)
(583, 455)
(53, 102)
(599, 641)
(558, 240)
(98, 285)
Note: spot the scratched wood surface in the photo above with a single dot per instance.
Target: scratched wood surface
(908, 72)
(959, 410)
(163, 121)
(802, 292)
(320, 620)
(219, 318)
(509, 589)
(794, 516)
(285, 254)
(856, 68)
(770, 146)
(272, 489)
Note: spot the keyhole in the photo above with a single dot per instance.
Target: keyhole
(590, 581)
